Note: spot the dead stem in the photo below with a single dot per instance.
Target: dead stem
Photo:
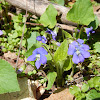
(21, 38)
(34, 24)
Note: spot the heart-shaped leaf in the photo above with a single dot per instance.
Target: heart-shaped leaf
(48, 18)
(8, 78)
(81, 12)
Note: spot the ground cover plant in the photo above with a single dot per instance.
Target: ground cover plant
(45, 46)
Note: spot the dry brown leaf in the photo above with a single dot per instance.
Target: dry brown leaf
(10, 55)
(62, 94)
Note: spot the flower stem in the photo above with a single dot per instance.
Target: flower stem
(63, 36)
(80, 66)
(72, 72)
(48, 51)
(80, 31)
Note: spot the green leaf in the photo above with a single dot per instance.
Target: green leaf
(61, 52)
(93, 95)
(74, 90)
(0, 7)
(67, 64)
(80, 96)
(81, 12)
(96, 82)
(17, 18)
(19, 28)
(51, 79)
(15, 34)
(48, 18)
(29, 52)
(23, 43)
(60, 2)
(48, 57)
(8, 78)
(98, 63)
(36, 28)
(94, 23)
(90, 82)
(32, 40)
(24, 20)
(67, 35)
(59, 59)
(97, 47)
(32, 72)
(60, 70)
(85, 87)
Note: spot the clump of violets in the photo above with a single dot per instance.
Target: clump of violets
(42, 39)
(54, 34)
(1, 33)
(88, 31)
(39, 56)
(79, 51)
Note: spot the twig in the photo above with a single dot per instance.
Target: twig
(94, 75)
(63, 26)
(78, 78)
(66, 27)
(34, 24)
(21, 38)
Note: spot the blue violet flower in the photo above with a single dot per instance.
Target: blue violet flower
(54, 34)
(39, 56)
(74, 30)
(58, 44)
(79, 51)
(19, 71)
(41, 38)
(88, 31)
(1, 33)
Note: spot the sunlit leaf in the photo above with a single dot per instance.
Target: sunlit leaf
(97, 47)
(61, 52)
(51, 79)
(81, 12)
(32, 40)
(74, 90)
(67, 64)
(85, 87)
(48, 18)
(93, 95)
(8, 78)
